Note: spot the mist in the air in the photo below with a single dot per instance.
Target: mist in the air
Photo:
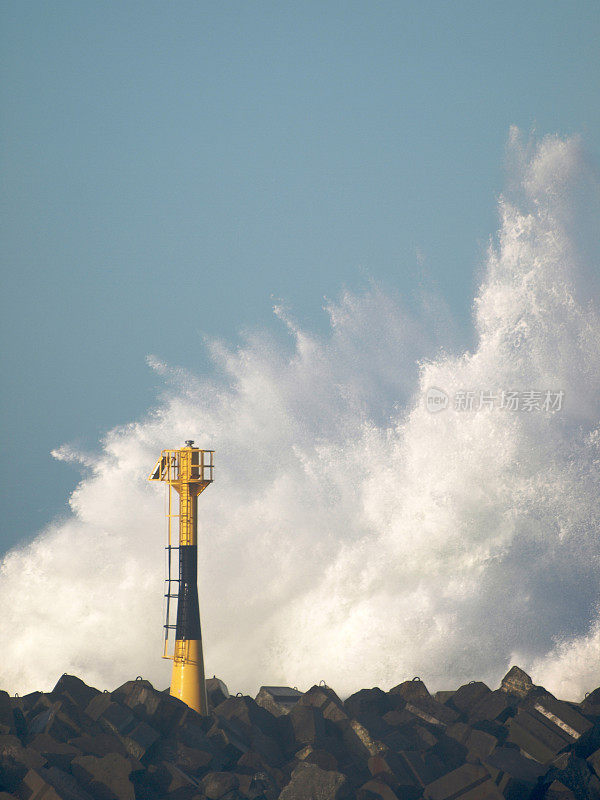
(354, 533)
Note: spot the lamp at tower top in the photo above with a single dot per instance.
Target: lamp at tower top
(188, 465)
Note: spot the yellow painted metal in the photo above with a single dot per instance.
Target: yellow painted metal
(188, 471)
(187, 680)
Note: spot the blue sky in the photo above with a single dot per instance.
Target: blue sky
(170, 168)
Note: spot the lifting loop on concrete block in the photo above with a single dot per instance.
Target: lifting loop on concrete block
(239, 694)
(416, 678)
(139, 678)
(322, 683)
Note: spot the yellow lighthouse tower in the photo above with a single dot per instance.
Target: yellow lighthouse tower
(188, 472)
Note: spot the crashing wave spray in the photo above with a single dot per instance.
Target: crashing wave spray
(361, 538)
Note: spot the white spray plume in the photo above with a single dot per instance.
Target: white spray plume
(350, 534)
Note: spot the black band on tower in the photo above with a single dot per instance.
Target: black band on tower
(188, 612)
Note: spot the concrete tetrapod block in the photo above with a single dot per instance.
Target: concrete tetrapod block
(432, 712)
(421, 767)
(320, 697)
(517, 682)
(322, 758)
(54, 722)
(74, 690)
(514, 774)
(309, 782)
(65, 785)
(575, 773)
(411, 690)
(370, 702)
(11, 747)
(99, 744)
(307, 724)
(278, 700)
(56, 754)
(557, 714)
(469, 782)
(497, 705)
(558, 791)
(376, 790)
(7, 719)
(217, 785)
(216, 691)
(594, 762)
(467, 696)
(544, 726)
(106, 778)
(35, 787)
(158, 709)
(590, 705)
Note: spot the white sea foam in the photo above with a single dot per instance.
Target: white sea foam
(351, 535)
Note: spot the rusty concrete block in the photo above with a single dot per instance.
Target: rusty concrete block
(278, 700)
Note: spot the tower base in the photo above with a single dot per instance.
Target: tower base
(187, 680)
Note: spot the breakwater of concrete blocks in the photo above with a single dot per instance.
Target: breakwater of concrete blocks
(517, 742)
